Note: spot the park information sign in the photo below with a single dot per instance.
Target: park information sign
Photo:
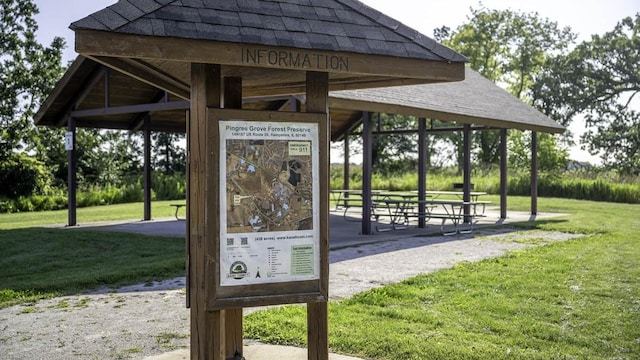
(269, 202)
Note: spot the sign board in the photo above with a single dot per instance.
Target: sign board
(68, 141)
(269, 194)
(272, 240)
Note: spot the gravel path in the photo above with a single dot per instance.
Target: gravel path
(149, 319)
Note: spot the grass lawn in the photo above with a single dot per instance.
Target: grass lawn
(38, 262)
(159, 209)
(578, 299)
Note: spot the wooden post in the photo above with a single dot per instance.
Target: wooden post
(422, 169)
(207, 335)
(147, 168)
(466, 171)
(233, 317)
(534, 173)
(367, 163)
(72, 168)
(504, 180)
(317, 312)
(346, 179)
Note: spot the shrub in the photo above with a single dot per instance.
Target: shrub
(584, 186)
(169, 187)
(22, 175)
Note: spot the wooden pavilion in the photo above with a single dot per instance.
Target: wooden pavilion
(108, 99)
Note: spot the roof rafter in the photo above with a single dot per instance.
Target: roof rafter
(146, 73)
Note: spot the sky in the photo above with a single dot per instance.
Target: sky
(585, 17)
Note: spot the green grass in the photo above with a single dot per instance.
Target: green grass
(578, 299)
(39, 263)
(159, 209)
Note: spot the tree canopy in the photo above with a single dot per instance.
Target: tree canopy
(28, 72)
(509, 48)
(600, 80)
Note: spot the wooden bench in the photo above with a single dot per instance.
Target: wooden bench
(178, 206)
(460, 186)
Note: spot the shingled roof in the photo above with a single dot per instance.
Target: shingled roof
(330, 25)
(476, 100)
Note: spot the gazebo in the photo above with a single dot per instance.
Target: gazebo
(108, 99)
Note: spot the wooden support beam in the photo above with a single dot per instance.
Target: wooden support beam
(466, 171)
(72, 168)
(346, 182)
(422, 169)
(138, 122)
(233, 317)
(367, 170)
(427, 130)
(348, 128)
(147, 168)
(317, 312)
(295, 105)
(132, 109)
(280, 105)
(373, 68)
(107, 87)
(504, 180)
(207, 337)
(534, 173)
(187, 238)
(88, 85)
(148, 74)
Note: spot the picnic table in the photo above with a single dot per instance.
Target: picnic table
(400, 211)
(346, 199)
(436, 194)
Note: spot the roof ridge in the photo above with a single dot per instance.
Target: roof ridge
(402, 29)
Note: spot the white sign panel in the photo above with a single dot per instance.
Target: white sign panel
(68, 141)
(269, 202)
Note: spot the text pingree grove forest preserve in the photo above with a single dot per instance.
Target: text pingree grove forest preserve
(294, 59)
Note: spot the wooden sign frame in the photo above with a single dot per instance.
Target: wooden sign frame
(221, 297)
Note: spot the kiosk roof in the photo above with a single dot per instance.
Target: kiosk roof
(332, 25)
(270, 44)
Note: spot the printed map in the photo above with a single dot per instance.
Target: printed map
(269, 185)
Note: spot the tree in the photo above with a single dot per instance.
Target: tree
(169, 158)
(600, 80)
(121, 156)
(28, 71)
(551, 156)
(509, 48)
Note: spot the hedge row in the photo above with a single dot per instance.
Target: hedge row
(548, 186)
(163, 188)
(173, 187)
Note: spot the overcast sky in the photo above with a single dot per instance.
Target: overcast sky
(585, 17)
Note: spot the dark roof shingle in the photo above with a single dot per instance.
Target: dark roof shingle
(330, 25)
(475, 100)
